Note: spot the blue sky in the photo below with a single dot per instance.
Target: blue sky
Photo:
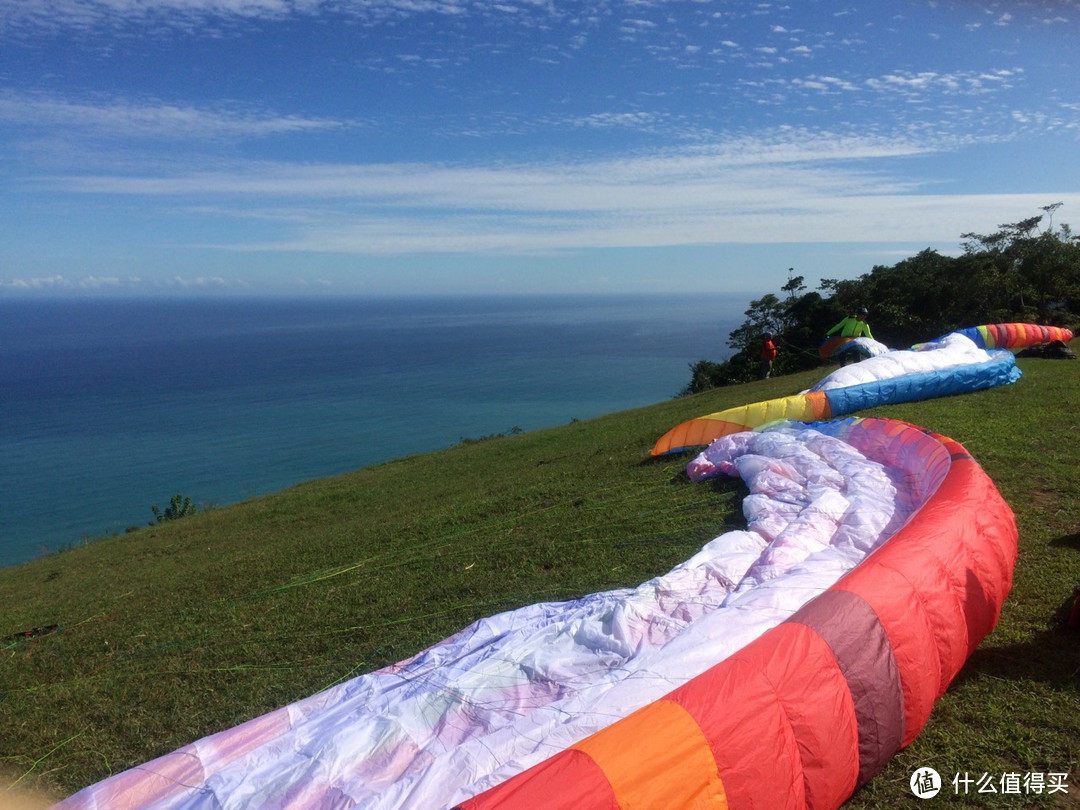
(518, 146)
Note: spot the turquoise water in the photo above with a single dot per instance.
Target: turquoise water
(110, 406)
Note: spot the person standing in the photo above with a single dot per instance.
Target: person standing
(768, 354)
(852, 326)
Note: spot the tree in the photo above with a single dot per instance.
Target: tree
(794, 285)
(797, 322)
(178, 507)
(1017, 273)
(1039, 273)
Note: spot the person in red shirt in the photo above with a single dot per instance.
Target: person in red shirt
(768, 354)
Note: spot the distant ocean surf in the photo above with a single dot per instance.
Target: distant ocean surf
(110, 406)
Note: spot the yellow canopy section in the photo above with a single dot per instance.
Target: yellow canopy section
(704, 429)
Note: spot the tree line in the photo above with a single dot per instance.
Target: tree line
(1021, 272)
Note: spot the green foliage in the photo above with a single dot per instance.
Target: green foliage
(798, 321)
(1016, 273)
(705, 374)
(179, 507)
(516, 430)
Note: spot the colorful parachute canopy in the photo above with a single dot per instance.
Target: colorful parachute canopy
(829, 662)
(988, 336)
(810, 710)
(963, 361)
(1015, 335)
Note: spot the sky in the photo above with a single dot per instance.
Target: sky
(390, 147)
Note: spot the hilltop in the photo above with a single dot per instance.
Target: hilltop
(134, 645)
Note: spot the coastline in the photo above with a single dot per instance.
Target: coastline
(119, 405)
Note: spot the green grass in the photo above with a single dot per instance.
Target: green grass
(188, 627)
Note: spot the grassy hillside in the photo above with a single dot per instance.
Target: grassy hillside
(185, 628)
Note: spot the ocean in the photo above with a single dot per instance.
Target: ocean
(108, 406)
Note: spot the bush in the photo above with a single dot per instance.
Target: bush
(178, 507)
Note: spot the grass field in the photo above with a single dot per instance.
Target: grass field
(153, 639)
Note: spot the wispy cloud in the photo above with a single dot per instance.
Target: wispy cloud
(123, 119)
(97, 283)
(658, 162)
(86, 14)
(825, 84)
(936, 93)
(954, 83)
(632, 120)
(917, 219)
(82, 14)
(543, 185)
(788, 186)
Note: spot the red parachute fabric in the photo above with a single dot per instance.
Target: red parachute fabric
(812, 709)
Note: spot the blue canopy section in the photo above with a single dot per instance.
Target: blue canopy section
(1001, 370)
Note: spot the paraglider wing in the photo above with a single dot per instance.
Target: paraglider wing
(1015, 335)
(807, 712)
(830, 345)
(477, 710)
(1000, 369)
(810, 407)
(967, 360)
(781, 666)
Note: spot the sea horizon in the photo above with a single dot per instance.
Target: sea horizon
(117, 404)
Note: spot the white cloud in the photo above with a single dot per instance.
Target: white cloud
(790, 185)
(37, 283)
(204, 282)
(92, 283)
(825, 84)
(544, 186)
(129, 119)
(636, 120)
(920, 219)
(955, 83)
(88, 14)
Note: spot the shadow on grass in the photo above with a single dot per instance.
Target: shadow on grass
(1050, 656)
(1068, 541)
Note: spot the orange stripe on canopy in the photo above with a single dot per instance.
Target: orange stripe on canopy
(681, 770)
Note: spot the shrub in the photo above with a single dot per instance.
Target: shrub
(178, 507)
